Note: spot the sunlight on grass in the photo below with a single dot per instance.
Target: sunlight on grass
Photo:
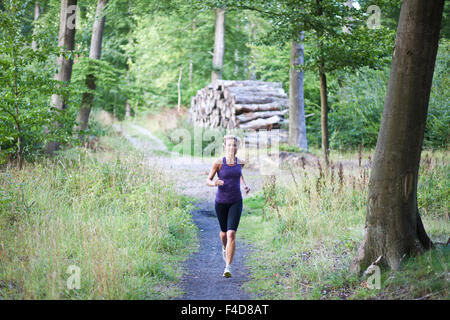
(306, 235)
(108, 213)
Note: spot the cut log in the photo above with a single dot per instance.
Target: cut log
(261, 123)
(243, 91)
(257, 98)
(221, 84)
(245, 117)
(241, 108)
(232, 103)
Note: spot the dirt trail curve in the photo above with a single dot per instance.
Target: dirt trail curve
(203, 270)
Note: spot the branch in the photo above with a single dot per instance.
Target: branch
(11, 114)
(259, 10)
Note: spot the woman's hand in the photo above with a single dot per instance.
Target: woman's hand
(218, 182)
(247, 189)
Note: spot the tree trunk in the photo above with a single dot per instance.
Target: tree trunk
(179, 89)
(236, 61)
(324, 113)
(297, 124)
(95, 53)
(251, 71)
(236, 58)
(219, 44)
(393, 225)
(36, 17)
(66, 39)
(127, 109)
(19, 138)
(127, 102)
(191, 64)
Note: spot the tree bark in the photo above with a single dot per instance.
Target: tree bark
(324, 113)
(66, 39)
(191, 64)
(36, 17)
(297, 124)
(251, 70)
(219, 44)
(236, 58)
(323, 95)
(95, 53)
(179, 89)
(127, 102)
(127, 109)
(393, 225)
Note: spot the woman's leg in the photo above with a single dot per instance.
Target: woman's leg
(231, 246)
(223, 237)
(222, 216)
(234, 216)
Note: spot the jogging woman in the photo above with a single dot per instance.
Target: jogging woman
(228, 202)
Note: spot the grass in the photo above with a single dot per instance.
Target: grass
(106, 212)
(306, 234)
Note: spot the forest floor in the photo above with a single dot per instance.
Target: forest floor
(316, 218)
(203, 269)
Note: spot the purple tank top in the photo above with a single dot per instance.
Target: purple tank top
(231, 190)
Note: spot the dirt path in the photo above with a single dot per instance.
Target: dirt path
(203, 270)
(203, 279)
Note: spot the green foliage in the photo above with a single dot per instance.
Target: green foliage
(288, 148)
(160, 51)
(357, 106)
(111, 90)
(304, 246)
(271, 64)
(26, 85)
(437, 132)
(433, 196)
(147, 44)
(106, 75)
(107, 212)
(355, 116)
(323, 22)
(174, 139)
(423, 277)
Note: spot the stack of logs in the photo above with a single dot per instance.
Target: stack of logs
(243, 104)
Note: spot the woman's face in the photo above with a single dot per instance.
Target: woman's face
(230, 147)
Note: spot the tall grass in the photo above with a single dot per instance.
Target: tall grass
(307, 230)
(107, 212)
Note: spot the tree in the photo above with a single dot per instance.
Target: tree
(191, 64)
(163, 38)
(37, 13)
(393, 224)
(94, 54)
(66, 39)
(331, 48)
(297, 124)
(25, 85)
(219, 44)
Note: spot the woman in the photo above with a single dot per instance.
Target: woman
(228, 202)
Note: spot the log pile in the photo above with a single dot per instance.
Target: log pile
(246, 104)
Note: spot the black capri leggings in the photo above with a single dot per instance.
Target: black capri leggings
(229, 215)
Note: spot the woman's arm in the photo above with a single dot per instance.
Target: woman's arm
(246, 188)
(211, 175)
(242, 180)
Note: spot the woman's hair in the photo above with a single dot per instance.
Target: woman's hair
(230, 136)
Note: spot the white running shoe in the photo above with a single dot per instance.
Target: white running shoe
(227, 272)
(224, 254)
